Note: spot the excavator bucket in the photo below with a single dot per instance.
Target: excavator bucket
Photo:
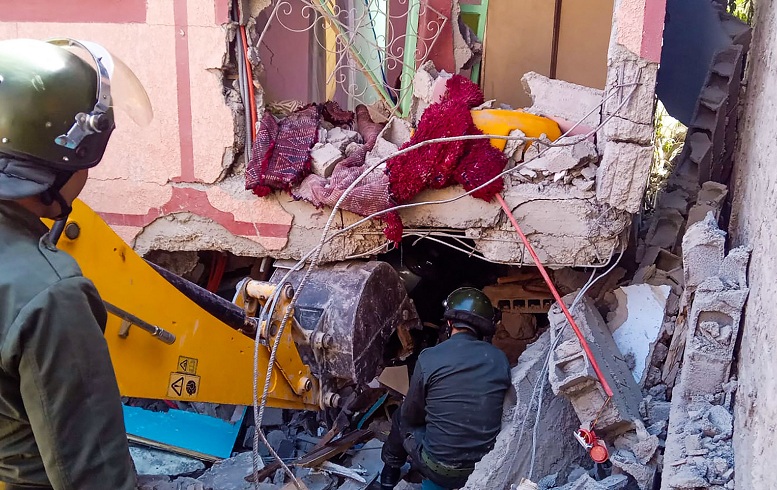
(353, 307)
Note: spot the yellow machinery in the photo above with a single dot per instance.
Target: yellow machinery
(169, 339)
(503, 121)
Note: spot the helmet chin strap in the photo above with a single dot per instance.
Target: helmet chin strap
(52, 195)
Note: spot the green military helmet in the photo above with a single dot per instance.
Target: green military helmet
(473, 308)
(56, 107)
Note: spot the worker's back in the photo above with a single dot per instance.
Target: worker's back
(466, 381)
(60, 415)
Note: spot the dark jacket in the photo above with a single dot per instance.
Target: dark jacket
(61, 421)
(456, 395)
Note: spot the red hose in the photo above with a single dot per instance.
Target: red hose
(554, 291)
(218, 266)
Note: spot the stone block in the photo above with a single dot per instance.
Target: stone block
(623, 174)
(703, 249)
(573, 376)
(324, 158)
(562, 99)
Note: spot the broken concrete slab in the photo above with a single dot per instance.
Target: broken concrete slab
(636, 323)
(150, 482)
(560, 99)
(368, 459)
(324, 158)
(703, 249)
(512, 454)
(627, 462)
(182, 483)
(572, 375)
(149, 461)
(229, 474)
(340, 138)
(467, 212)
(572, 152)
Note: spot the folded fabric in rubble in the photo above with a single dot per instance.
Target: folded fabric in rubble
(280, 157)
(370, 195)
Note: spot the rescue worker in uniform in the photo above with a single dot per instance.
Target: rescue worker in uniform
(61, 422)
(453, 409)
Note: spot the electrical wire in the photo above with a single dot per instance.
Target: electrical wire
(243, 84)
(249, 78)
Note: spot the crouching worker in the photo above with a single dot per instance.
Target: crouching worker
(453, 409)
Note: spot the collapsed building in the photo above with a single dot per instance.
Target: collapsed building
(208, 193)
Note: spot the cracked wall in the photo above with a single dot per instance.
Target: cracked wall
(753, 223)
(178, 184)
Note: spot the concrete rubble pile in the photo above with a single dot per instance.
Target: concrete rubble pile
(699, 449)
(573, 161)
(664, 340)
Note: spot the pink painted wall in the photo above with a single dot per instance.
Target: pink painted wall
(641, 27)
(429, 25)
(286, 55)
(176, 48)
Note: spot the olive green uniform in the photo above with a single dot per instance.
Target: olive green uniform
(61, 422)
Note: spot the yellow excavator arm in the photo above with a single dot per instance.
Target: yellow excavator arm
(207, 359)
(170, 339)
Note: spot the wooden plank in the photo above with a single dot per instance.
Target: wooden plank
(674, 357)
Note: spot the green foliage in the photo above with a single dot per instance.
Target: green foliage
(667, 144)
(743, 9)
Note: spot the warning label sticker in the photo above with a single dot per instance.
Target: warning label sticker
(187, 365)
(183, 386)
